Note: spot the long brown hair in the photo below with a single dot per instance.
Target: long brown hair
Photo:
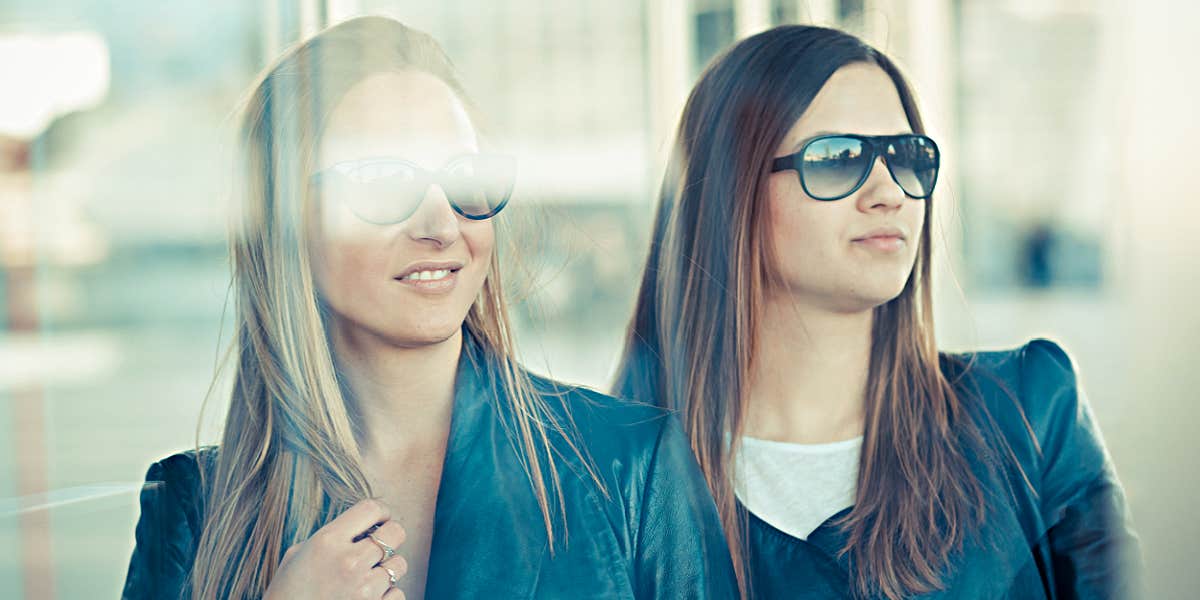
(690, 341)
(289, 461)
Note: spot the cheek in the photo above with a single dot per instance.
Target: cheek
(344, 251)
(480, 237)
(918, 216)
(339, 265)
(797, 227)
(781, 217)
(915, 219)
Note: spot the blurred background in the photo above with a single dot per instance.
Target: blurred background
(1068, 209)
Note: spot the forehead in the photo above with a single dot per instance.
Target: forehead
(857, 98)
(404, 114)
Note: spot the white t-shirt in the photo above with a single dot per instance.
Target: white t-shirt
(796, 487)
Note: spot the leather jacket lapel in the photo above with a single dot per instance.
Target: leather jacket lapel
(488, 536)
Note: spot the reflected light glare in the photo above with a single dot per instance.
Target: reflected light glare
(49, 75)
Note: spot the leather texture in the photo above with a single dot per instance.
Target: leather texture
(651, 532)
(1066, 534)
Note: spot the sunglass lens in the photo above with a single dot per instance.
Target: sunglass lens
(381, 192)
(832, 167)
(914, 161)
(479, 185)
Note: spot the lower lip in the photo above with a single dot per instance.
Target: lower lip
(432, 286)
(882, 244)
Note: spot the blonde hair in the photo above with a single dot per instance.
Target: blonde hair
(289, 460)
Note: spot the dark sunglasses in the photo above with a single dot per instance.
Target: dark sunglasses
(389, 190)
(832, 167)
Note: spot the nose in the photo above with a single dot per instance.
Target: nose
(434, 222)
(880, 192)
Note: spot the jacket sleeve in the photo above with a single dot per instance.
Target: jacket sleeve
(165, 535)
(1094, 552)
(680, 550)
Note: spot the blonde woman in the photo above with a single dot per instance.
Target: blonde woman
(381, 440)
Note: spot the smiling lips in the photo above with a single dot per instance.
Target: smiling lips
(426, 275)
(430, 277)
(882, 239)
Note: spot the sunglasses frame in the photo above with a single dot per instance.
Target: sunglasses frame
(427, 176)
(875, 144)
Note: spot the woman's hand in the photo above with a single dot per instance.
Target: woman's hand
(342, 559)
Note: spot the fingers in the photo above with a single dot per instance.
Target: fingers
(373, 584)
(391, 533)
(363, 556)
(387, 537)
(393, 594)
(350, 525)
(397, 564)
(380, 581)
(360, 564)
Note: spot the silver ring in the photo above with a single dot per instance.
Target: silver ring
(388, 551)
(392, 579)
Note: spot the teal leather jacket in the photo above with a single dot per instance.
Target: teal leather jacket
(1066, 534)
(655, 535)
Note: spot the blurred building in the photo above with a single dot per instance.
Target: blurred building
(1066, 210)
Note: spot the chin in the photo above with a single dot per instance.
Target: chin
(426, 334)
(865, 299)
(886, 296)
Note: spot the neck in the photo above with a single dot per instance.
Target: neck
(401, 397)
(809, 374)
